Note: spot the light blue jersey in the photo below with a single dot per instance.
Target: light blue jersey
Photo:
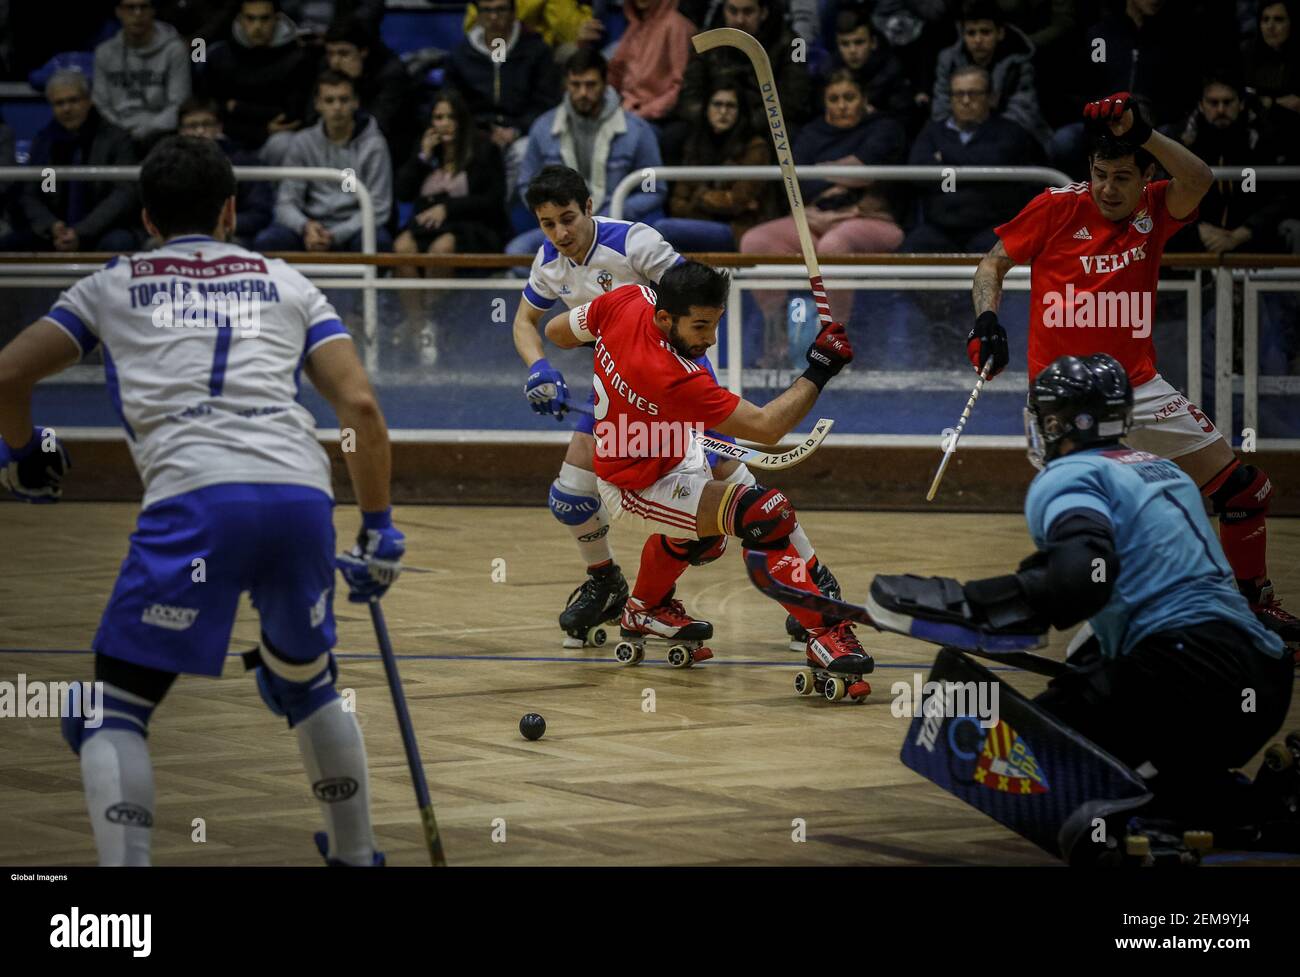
(1172, 571)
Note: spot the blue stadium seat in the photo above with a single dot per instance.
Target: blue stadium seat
(26, 116)
(412, 30)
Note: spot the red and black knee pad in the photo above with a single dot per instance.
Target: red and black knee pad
(696, 552)
(764, 519)
(1242, 492)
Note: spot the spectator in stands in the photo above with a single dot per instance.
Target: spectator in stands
(262, 78)
(590, 132)
(650, 61)
(78, 215)
(962, 218)
(803, 15)
(142, 75)
(878, 70)
(455, 179)
(713, 215)
(1272, 59)
(508, 77)
(1223, 132)
(316, 17)
(254, 199)
(315, 215)
(915, 30)
(1002, 50)
(565, 25)
(383, 85)
(726, 65)
(208, 19)
(844, 215)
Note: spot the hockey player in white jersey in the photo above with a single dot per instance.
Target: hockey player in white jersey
(583, 257)
(204, 343)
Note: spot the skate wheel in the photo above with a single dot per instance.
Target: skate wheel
(835, 688)
(1139, 846)
(679, 656)
(597, 636)
(1278, 759)
(701, 655)
(628, 653)
(804, 682)
(1198, 840)
(859, 690)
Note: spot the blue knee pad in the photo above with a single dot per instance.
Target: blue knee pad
(114, 713)
(297, 700)
(571, 509)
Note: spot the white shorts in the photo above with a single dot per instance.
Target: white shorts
(671, 504)
(1165, 423)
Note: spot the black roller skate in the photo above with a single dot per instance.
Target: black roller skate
(1156, 843)
(837, 663)
(669, 623)
(829, 587)
(1268, 609)
(594, 606)
(1277, 789)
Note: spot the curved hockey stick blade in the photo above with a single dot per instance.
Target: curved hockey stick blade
(769, 460)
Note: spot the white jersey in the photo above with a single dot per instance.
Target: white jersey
(622, 253)
(204, 344)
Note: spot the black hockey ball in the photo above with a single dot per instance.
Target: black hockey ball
(532, 726)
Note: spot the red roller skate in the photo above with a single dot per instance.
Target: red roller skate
(837, 663)
(668, 623)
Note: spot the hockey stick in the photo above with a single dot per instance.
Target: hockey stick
(1005, 649)
(749, 45)
(770, 461)
(431, 839)
(949, 451)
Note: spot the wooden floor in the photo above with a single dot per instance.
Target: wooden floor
(716, 774)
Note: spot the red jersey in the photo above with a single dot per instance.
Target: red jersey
(1093, 280)
(649, 398)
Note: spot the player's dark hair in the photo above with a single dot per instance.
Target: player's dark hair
(584, 60)
(1106, 145)
(1226, 77)
(847, 21)
(558, 185)
(691, 283)
(982, 10)
(275, 5)
(841, 75)
(331, 77)
(184, 183)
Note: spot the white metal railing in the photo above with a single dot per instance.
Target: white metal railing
(123, 174)
(979, 174)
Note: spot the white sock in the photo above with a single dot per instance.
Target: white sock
(802, 544)
(591, 536)
(118, 779)
(333, 751)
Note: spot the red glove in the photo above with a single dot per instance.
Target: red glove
(829, 353)
(1109, 111)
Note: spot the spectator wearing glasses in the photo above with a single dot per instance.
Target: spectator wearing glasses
(963, 219)
(712, 215)
(78, 215)
(254, 199)
(142, 74)
(508, 77)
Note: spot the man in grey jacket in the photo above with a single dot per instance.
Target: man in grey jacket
(314, 215)
(142, 74)
(1002, 50)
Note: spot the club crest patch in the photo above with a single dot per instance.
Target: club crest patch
(605, 280)
(1007, 764)
(1142, 221)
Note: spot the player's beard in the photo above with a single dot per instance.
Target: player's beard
(682, 347)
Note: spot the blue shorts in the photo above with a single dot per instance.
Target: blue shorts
(169, 611)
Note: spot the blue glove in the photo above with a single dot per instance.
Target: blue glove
(371, 567)
(34, 472)
(546, 390)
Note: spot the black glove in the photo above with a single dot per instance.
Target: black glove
(829, 353)
(34, 472)
(988, 341)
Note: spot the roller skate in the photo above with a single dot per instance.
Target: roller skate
(1268, 608)
(829, 587)
(669, 623)
(837, 663)
(594, 607)
(1155, 843)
